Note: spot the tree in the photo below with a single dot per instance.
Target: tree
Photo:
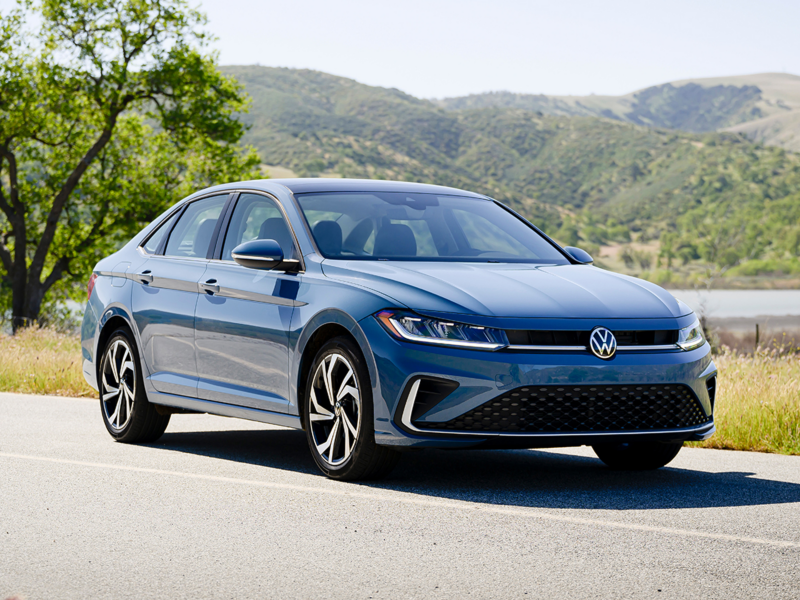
(109, 112)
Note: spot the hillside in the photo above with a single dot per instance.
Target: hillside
(765, 107)
(653, 198)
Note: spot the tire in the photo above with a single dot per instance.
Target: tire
(339, 425)
(637, 456)
(127, 414)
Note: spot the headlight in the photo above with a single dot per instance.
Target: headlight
(413, 328)
(691, 337)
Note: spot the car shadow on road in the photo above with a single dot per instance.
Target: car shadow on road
(526, 478)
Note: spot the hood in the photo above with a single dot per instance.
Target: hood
(510, 290)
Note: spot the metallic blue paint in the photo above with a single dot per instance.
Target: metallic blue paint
(240, 350)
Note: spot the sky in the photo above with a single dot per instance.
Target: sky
(441, 48)
(444, 48)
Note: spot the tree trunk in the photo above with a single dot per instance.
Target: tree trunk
(26, 299)
(26, 305)
(19, 282)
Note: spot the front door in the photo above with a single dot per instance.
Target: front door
(165, 295)
(243, 315)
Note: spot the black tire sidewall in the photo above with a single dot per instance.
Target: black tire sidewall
(637, 456)
(366, 436)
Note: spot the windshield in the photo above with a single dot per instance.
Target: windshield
(402, 226)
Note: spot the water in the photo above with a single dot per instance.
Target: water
(742, 304)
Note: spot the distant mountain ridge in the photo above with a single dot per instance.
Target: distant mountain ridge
(765, 107)
(701, 200)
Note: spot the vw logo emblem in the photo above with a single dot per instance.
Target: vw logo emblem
(602, 343)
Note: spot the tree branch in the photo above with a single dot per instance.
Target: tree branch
(7, 259)
(5, 206)
(37, 265)
(11, 209)
(62, 264)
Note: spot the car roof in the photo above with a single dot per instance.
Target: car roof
(330, 184)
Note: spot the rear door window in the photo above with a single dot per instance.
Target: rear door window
(154, 241)
(194, 231)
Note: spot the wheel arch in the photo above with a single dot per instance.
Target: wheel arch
(320, 328)
(113, 318)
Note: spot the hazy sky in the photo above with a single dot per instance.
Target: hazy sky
(437, 48)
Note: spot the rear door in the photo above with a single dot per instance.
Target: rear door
(244, 315)
(165, 293)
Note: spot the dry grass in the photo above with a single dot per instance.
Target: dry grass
(758, 397)
(42, 361)
(758, 403)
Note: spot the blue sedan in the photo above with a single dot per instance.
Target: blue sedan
(381, 316)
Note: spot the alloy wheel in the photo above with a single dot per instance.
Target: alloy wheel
(118, 385)
(335, 411)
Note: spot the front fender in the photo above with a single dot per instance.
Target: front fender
(332, 316)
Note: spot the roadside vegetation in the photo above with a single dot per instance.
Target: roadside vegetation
(758, 404)
(42, 361)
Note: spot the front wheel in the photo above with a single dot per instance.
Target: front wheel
(127, 414)
(637, 456)
(338, 416)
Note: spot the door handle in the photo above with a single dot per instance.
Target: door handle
(145, 277)
(210, 287)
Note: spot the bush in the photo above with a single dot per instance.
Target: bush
(771, 266)
(659, 277)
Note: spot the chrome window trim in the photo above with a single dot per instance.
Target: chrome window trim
(182, 258)
(408, 409)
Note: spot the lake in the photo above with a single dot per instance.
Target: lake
(727, 304)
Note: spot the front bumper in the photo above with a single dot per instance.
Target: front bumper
(484, 376)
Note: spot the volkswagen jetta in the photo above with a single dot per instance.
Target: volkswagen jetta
(380, 316)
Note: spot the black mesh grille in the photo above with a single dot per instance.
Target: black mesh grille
(582, 408)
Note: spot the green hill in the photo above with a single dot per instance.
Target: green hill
(765, 107)
(648, 195)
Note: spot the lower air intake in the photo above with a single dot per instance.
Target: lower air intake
(582, 408)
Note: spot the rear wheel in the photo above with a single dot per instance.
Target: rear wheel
(637, 456)
(127, 414)
(338, 416)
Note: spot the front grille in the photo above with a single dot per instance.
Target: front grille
(524, 337)
(582, 408)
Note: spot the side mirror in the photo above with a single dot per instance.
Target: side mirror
(258, 254)
(581, 256)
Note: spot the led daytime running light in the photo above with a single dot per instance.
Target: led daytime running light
(442, 333)
(691, 337)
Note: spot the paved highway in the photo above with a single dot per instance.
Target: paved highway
(220, 508)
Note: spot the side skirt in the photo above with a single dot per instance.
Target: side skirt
(224, 410)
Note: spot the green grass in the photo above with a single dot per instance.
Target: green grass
(758, 397)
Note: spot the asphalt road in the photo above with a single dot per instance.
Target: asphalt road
(220, 508)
